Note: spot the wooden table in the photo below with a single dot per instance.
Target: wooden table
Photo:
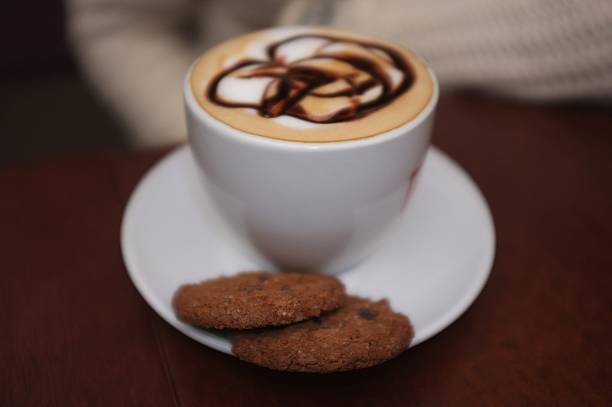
(75, 332)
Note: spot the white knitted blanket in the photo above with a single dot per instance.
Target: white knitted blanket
(135, 52)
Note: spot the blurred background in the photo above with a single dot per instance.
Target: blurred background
(47, 108)
(83, 75)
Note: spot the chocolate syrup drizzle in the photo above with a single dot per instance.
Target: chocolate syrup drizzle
(296, 82)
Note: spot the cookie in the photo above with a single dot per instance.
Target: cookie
(257, 299)
(362, 333)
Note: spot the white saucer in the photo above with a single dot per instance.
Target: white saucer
(432, 270)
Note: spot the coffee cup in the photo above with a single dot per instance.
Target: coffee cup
(309, 205)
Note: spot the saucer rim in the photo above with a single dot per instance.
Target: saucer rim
(221, 343)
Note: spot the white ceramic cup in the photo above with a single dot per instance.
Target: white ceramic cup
(308, 206)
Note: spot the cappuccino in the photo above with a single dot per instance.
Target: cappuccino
(311, 85)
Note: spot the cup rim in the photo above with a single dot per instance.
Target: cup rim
(256, 140)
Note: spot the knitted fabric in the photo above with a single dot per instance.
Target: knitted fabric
(135, 52)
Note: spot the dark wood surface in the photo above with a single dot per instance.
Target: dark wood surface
(75, 332)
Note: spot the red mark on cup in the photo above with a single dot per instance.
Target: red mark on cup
(410, 185)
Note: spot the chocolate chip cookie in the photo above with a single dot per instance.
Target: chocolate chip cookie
(362, 333)
(257, 299)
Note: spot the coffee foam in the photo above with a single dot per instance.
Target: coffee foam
(341, 86)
